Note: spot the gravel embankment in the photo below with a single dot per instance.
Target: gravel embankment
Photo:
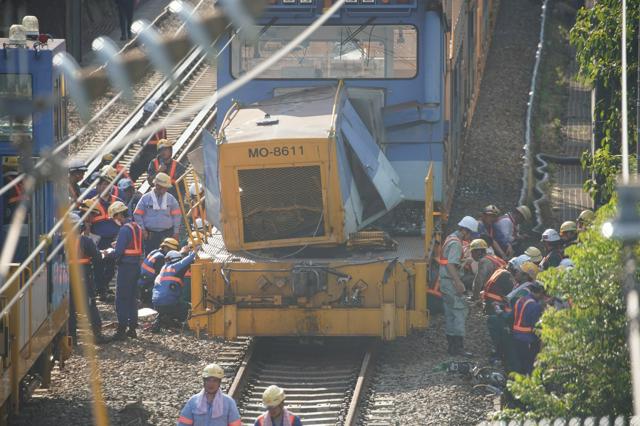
(406, 386)
(491, 171)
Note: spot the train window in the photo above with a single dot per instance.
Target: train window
(355, 52)
(19, 87)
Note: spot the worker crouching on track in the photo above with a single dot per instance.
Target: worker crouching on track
(127, 254)
(167, 290)
(158, 213)
(87, 256)
(526, 313)
(487, 264)
(210, 407)
(507, 229)
(151, 267)
(277, 414)
(452, 287)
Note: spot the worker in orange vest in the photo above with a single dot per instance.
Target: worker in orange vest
(127, 254)
(277, 414)
(526, 313)
(164, 163)
(487, 264)
(452, 287)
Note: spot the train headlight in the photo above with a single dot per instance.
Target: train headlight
(176, 6)
(31, 26)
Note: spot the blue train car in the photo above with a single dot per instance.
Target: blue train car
(33, 104)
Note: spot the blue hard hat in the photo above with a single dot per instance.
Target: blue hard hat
(125, 183)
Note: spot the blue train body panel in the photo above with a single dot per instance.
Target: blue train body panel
(404, 42)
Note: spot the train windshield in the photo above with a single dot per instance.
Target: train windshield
(332, 52)
(18, 87)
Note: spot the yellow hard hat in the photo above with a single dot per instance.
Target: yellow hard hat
(162, 179)
(586, 216)
(108, 173)
(273, 396)
(169, 243)
(568, 226)
(116, 207)
(525, 212)
(164, 143)
(478, 244)
(10, 162)
(491, 210)
(107, 157)
(87, 205)
(534, 254)
(213, 370)
(530, 269)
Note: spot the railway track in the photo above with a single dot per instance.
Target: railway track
(325, 381)
(115, 117)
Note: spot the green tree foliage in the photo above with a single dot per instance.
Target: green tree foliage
(583, 367)
(597, 36)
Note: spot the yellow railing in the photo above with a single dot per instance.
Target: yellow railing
(428, 211)
(192, 208)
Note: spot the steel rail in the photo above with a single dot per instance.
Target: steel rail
(366, 371)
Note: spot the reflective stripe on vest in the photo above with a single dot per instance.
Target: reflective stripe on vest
(435, 290)
(498, 262)
(148, 264)
(488, 293)
(135, 245)
(79, 260)
(451, 238)
(172, 171)
(519, 313)
(102, 212)
(168, 274)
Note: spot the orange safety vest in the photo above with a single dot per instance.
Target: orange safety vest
(498, 262)
(518, 313)
(80, 260)
(172, 171)
(487, 293)
(135, 246)
(292, 418)
(451, 238)
(102, 212)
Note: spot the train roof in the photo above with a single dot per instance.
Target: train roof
(300, 114)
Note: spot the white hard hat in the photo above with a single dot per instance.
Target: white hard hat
(212, 370)
(173, 255)
(150, 106)
(200, 224)
(550, 236)
(566, 263)
(517, 261)
(469, 223)
(192, 189)
(77, 165)
(273, 396)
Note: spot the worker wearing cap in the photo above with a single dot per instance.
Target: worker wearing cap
(150, 146)
(534, 254)
(507, 228)
(277, 414)
(103, 225)
(210, 406)
(87, 255)
(487, 265)
(526, 313)
(451, 285)
(151, 266)
(488, 217)
(77, 169)
(164, 163)
(585, 219)
(569, 233)
(167, 290)
(127, 254)
(553, 245)
(158, 213)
